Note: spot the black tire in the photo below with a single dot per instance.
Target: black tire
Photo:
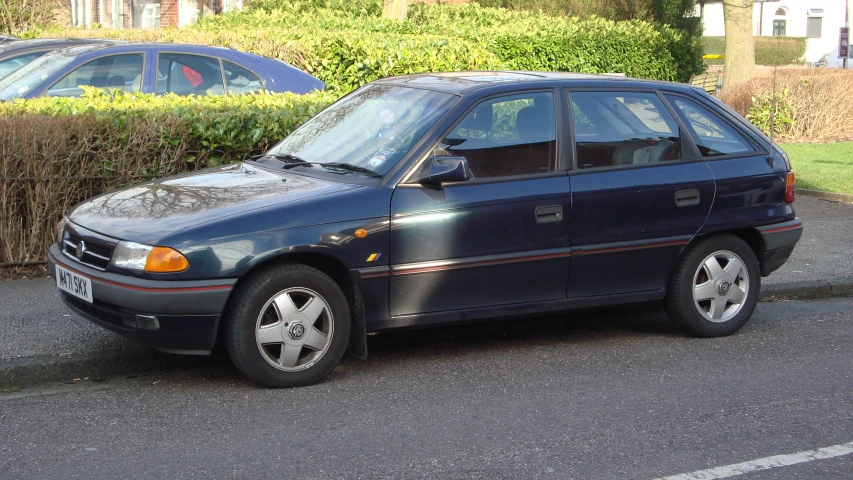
(243, 316)
(681, 308)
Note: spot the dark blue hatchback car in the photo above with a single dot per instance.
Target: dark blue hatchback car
(440, 198)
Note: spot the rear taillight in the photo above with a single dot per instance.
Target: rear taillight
(790, 188)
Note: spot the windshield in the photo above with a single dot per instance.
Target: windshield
(11, 64)
(373, 128)
(18, 83)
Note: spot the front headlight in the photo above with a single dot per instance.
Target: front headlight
(145, 258)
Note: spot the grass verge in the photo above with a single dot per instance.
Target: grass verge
(823, 166)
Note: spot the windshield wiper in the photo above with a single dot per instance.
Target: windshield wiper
(351, 167)
(292, 161)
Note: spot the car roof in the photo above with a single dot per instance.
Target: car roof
(135, 46)
(41, 43)
(465, 82)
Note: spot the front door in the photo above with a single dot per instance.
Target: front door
(640, 193)
(497, 239)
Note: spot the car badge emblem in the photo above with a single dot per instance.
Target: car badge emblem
(296, 331)
(724, 288)
(81, 249)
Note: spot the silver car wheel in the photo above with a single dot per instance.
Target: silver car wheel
(720, 286)
(294, 329)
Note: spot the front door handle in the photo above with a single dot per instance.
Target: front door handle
(687, 198)
(549, 214)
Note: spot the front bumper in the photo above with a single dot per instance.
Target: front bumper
(779, 241)
(173, 316)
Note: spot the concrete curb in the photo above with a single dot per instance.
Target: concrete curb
(836, 197)
(835, 287)
(19, 372)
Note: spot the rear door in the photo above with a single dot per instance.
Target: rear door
(640, 192)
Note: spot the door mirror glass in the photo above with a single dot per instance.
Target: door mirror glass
(448, 168)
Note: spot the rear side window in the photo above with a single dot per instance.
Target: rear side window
(184, 74)
(240, 80)
(712, 135)
(614, 129)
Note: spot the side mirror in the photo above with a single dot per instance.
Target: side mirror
(446, 168)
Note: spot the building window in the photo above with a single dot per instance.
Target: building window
(813, 27)
(781, 12)
(780, 27)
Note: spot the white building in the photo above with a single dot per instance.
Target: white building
(817, 20)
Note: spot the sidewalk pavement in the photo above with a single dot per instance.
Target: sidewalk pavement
(41, 340)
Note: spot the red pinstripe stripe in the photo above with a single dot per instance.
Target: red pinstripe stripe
(782, 229)
(143, 289)
(633, 247)
(479, 264)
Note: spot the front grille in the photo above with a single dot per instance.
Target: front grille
(106, 312)
(93, 253)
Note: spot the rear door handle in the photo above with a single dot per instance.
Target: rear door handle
(687, 198)
(549, 214)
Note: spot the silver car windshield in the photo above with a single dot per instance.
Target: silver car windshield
(372, 128)
(28, 77)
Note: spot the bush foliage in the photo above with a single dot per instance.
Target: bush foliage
(768, 50)
(348, 45)
(55, 152)
(811, 105)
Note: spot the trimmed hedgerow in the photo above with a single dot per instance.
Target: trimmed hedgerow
(55, 152)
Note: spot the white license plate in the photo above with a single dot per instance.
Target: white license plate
(77, 285)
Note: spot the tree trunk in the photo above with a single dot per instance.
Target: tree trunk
(394, 9)
(740, 45)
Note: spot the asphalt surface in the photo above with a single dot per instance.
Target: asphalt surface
(605, 395)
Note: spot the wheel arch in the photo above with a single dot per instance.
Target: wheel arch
(337, 271)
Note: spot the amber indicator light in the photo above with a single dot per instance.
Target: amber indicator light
(361, 233)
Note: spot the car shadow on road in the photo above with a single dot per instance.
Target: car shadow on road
(396, 349)
(592, 325)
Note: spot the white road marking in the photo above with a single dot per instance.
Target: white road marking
(765, 463)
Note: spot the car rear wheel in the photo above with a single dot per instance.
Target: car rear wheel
(715, 287)
(288, 326)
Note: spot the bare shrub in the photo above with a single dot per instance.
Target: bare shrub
(817, 102)
(48, 164)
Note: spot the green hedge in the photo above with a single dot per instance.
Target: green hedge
(55, 152)
(768, 50)
(347, 48)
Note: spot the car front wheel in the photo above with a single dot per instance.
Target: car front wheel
(715, 287)
(288, 326)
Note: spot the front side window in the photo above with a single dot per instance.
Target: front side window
(372, 128)
(712, 135)
(9, 65)
(123, 72)
(240, 80)
(506, 136)
(614, 129)
(184, 74)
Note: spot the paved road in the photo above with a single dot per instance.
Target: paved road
(615, 395)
